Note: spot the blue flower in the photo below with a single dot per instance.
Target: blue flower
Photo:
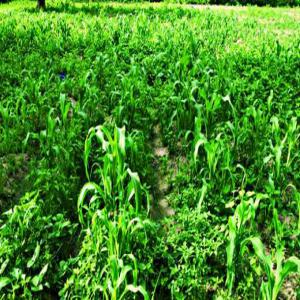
(62, 76)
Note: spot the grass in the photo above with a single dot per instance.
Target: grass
(87, 90)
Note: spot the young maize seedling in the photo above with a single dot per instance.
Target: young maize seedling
(276, 273)
(118, 185)
(112, 218)
(292, 140)
(244, 213)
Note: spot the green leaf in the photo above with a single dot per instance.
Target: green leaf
(4, 281)
(259, 250)
(123, 274)
(200, 141)
(230, 249)
(291, 265)
(90, 186)
(35, 256)
(121, 135)
(3, 266)
(135, 289)
(36, 280)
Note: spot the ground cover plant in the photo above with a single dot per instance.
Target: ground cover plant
(149, 151)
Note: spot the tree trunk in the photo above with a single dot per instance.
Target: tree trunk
(41, 4)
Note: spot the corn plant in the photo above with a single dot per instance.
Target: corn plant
(119, 187)
(293, 136)
(244, 214)
(276, 272)
(218, 156)
(106, 265)
(113, 218)
(277, 149)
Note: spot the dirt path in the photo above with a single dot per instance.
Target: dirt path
(160, 206)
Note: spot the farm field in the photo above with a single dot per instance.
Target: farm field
(149, 151)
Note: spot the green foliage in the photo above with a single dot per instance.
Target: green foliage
(119, 188)
(243, 2)
(238, 231)
(238, 242)
(225, 2)
(275, 274)
(192, 241)
(222, 86)
(115, 224)
(30, 249)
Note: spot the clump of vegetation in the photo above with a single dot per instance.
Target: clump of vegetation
(157, 147)
(114, 224)
(190, 243)
(32, 242)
